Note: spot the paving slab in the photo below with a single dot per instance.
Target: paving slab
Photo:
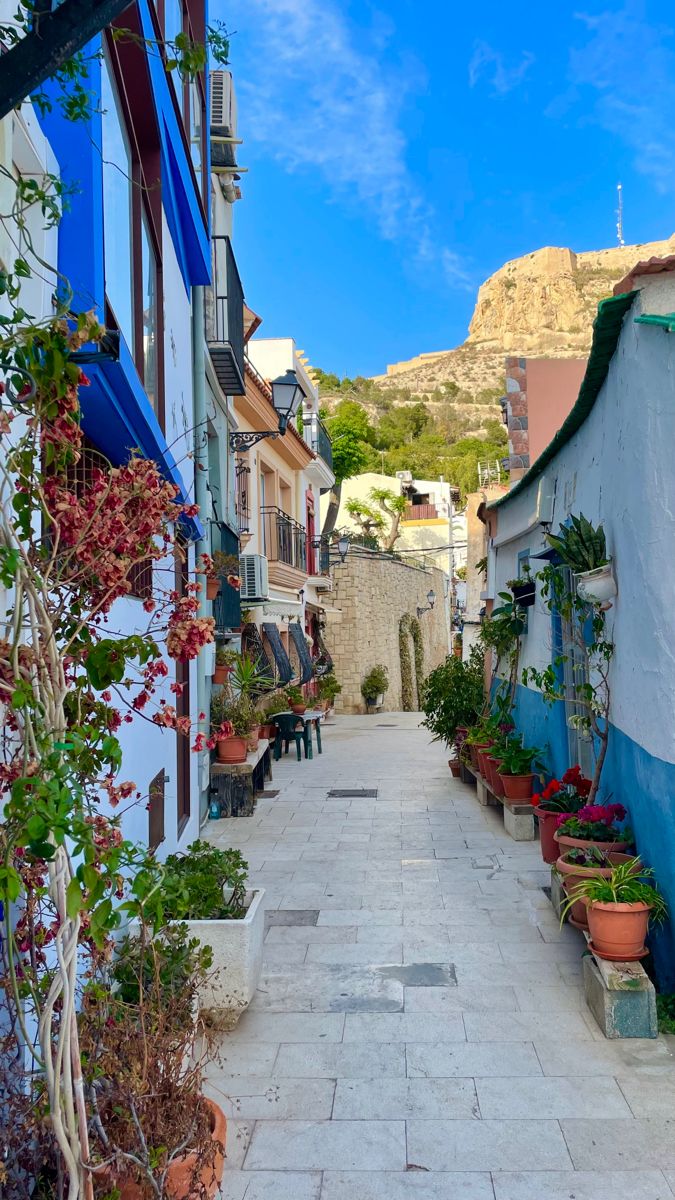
(271, 1185)
(402, 1099)
(487, 1145)
(409, 1185)
(354, 1060)
(327, 1145)
(580, 1185)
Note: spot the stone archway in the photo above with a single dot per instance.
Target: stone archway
(411, 676)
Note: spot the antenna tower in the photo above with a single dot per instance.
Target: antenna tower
(619, 215)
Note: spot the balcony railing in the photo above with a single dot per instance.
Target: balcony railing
(284, 540)
(225, 319)
(420, 512)
(318, 438)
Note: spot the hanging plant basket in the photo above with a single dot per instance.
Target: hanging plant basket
(525, 593)
(598, 586)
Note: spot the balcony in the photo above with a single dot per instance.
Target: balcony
(317, 437)
(420, 512)
(284, 540)
(225, 320)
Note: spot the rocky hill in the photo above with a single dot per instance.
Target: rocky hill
(541, 305)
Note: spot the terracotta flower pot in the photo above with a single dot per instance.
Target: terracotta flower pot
(253, 738)
(299, 709)
(482, 765)
(453, 764)
(618, 931)
(497, 781)
(221, 673)
(547, 829)
(474, 750)
(573, 874)
(570, 843)
(231, 750)
(517, 787)
(268, 731)
(212, 588)
(492, 764)
(180, 1177)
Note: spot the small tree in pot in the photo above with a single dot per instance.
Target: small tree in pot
(452, 696)
(516, 770)
(374, 686)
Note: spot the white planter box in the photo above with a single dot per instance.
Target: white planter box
(598, 586)
(237, 962)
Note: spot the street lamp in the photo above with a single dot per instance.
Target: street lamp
(431, 597)
(343, 546)
(286, 397)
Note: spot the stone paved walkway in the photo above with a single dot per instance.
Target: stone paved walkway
(420, 1032)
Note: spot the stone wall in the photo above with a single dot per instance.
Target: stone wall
(371, 595)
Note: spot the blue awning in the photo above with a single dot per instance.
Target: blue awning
(118, 418)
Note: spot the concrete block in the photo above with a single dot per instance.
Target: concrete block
(622, 1012)
(519, 825)
(558, 893)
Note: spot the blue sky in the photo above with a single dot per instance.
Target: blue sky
(398, 153)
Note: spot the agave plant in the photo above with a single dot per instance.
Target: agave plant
(581, 547)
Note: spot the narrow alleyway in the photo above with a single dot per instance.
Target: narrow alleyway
(420, 1029)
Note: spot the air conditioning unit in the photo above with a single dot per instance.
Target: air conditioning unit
(404, 476)
(254, 577)
(222, 119)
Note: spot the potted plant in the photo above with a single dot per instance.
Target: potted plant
(452, 697)
(457, 644)
(327, 688)
(620, 909)
(231, 722)
(516, 769)
(225, 660)
(206, 889)
(227, 567)
(575, 866)
(151, 1130)
(593, 825)
(566, 795)
(374, 686)
(247, 679)
(524, 589)
(584, 550)
(273, 705)
(296, 699)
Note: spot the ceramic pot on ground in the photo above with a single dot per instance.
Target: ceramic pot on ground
(253, 738)
(212, 588)
(573, 874)
(453, 764)
(548, 824)
(571, 843)
(181, 1181)
(618, 931)
(517, 787)
(231, 750)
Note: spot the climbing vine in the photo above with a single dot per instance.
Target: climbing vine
(410, 625)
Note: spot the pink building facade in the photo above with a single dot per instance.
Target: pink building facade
(540, 393)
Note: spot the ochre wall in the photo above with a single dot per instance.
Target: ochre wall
(370, 596)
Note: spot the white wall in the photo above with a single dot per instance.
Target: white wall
(619, 470)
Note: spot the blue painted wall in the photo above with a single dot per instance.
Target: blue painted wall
(645, 785)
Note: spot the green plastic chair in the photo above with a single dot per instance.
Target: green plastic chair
(286, 724)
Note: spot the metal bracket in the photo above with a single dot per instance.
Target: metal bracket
(244, 441)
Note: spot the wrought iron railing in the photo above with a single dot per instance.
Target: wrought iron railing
(225, 318)
(242, 501)
(284, 540)
(227, 604)
(317, 437)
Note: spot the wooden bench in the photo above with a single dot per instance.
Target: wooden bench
(235, 786)
(518, 815)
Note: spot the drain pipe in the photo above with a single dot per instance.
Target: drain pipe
(203, 546)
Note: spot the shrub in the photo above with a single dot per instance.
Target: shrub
(205, 884)
(452, 695)
(375, 683)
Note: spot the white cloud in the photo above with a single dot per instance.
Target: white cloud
(629, 64)
(319, 101)
(487, 62)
